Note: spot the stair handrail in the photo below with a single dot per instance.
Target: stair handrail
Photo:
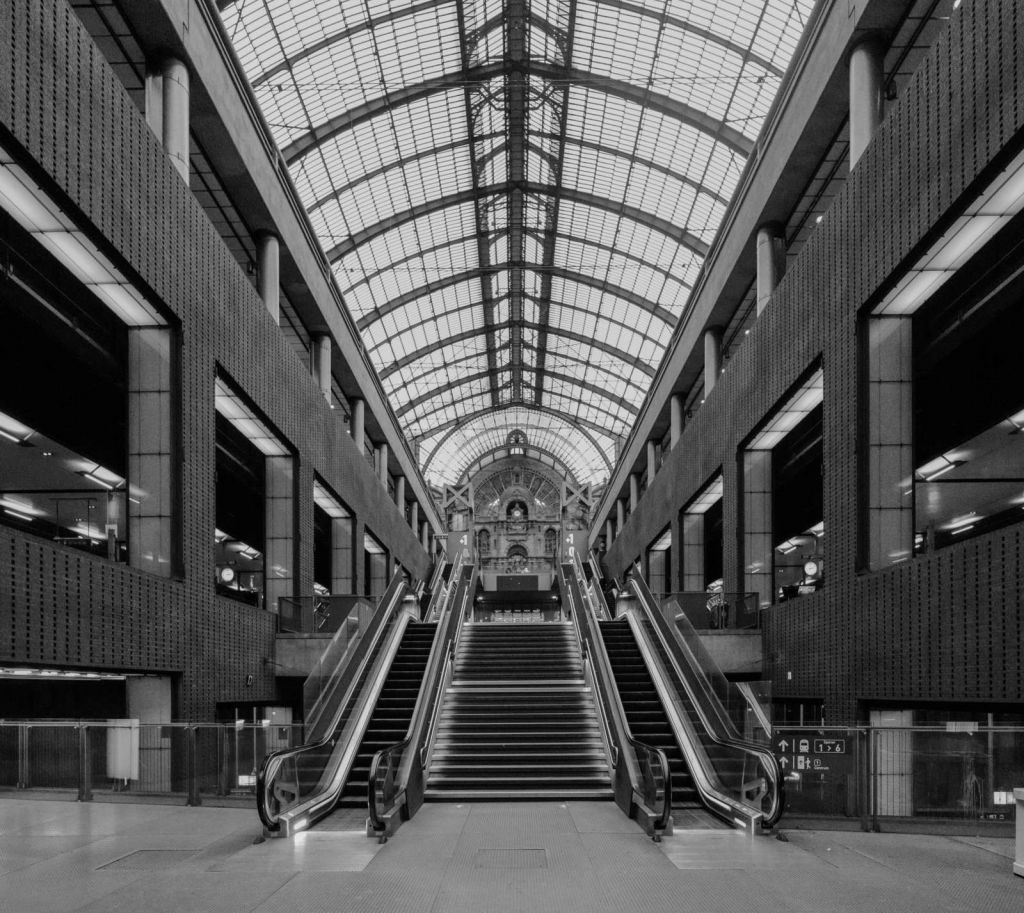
(438, 587)
(347, 719)
(715, 720)
(396, 780)
(637, 772)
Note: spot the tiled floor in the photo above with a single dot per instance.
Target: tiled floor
(484, 858)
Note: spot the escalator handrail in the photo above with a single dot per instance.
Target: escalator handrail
(617, 728)
(677, 654)
(428, 700)
(358, 662)
(438, 586)
(347, 671)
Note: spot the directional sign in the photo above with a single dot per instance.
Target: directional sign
(830, 746)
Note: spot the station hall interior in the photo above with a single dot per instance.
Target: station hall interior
(423, 417)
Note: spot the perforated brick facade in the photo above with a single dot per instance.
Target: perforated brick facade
(945, 626)
(62, 106)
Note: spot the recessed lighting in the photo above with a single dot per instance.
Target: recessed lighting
(47, 453)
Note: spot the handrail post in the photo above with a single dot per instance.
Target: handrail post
(192, 766)
(84, 765)
(23, 779)
(872, 776)
(863, 779)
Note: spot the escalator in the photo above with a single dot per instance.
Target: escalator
(665, 702)
(393, 710)
(369, 701)
(643, 708)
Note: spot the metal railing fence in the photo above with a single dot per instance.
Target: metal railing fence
(958, 772)
(132, 760)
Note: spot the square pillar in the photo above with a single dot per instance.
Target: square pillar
(758, 564)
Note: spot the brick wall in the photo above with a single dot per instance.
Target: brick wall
(63, 107)
(945, 626)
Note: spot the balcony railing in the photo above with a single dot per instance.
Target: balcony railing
(316, 614)
(715, 611)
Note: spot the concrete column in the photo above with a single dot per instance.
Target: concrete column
(150, 506)
(400, 493)
(322, 363)
(692, 535)
(771, 262)
(425, 536)
(890, 434)
(268, 274)
(634, 491)
(866, 99)
(620, 515)
(356, 427)
(175, 115)
(382, 464)
(154, 102)
(675, 418)
(279, 557)
(652, 461)
(758, 557)
(414, 516)
(712, 358)
(609, 533)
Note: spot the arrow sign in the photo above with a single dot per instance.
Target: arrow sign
(783, 761)
(783, 744)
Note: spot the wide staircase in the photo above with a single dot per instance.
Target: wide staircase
(393, 712)
(518, 721)
(644, 711)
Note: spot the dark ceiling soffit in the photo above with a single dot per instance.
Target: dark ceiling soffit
(653, 101)
(444, 282)
(477, 331)
(656, 223)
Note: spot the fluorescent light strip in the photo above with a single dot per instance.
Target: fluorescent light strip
(981, 221)
(799, 406)
(19, 515)
(39, 215)
(229, 405)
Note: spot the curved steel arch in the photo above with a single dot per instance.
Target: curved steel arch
(629, 382)
(481, 375)
(534, 233)
(368, 24)
(630, 297)
(590, 145)
(557, 332)
(717, 129)
(506, 325)
(465, 420)
(560, 465)
(580, 422)
(641, 217)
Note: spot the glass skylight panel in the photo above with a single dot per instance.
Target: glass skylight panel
(310, 61)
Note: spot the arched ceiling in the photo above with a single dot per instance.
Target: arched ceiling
(516, 196)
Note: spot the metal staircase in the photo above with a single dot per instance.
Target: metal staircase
(518, 721)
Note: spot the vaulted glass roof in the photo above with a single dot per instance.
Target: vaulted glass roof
(516, 196)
